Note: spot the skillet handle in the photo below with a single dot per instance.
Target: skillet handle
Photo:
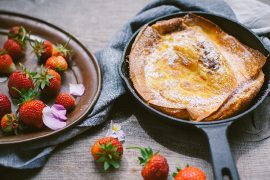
(222, 159)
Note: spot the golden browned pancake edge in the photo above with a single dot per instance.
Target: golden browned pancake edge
(189, 68)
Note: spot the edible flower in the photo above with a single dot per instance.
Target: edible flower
(54, 117)
(76, 89)
(116, 132)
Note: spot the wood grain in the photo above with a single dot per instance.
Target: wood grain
(94, 23)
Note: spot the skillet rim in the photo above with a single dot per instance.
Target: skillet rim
(183, 121)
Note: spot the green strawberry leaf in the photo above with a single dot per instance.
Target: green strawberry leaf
(42, 79)
(146, 153)
(115, 164)
(63, 49)
(101, 159)
(26, 95)
(109, 145)
(9, 117)
(43, 84)
(178, 169)
(142, 160)
(110, 156)
(106, 165)
(20, 37)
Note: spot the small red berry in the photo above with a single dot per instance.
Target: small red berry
(65, 100)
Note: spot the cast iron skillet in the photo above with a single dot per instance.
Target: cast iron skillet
(215, 131)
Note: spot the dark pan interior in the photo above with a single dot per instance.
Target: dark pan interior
(233, 28)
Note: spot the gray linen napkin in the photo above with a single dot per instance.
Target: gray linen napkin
(34, 154)
(255, 16)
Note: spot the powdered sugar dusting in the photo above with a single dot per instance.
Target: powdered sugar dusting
(194, 100)
(150, 70)
(209, 55)
(167, 55)
(171, 56)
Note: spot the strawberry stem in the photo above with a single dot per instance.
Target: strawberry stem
(18, 91)
(23, 33)
(134, 147)
(66, 44)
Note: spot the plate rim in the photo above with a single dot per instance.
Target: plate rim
(99, 80)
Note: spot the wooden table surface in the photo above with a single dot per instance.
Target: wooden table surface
(94, 23)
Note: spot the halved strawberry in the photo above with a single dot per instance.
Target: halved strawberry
(20, 80)
(57, 63)
(6, 63)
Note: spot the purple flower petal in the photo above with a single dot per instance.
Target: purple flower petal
(50, 121)
(76, 89)
(59, 112)
(58, 107)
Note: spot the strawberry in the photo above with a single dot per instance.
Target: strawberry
(155, 166)
(65, 100)
(61, 50)
(30, 109)
(54, 73)
(6, 63)
(189, 173)
(30, 113)
(42, 49)
(109, 151)
(9, 123)
(14, 48)
(49, 83)
(5, 105)
(16, 43)
(53, 88)
(20, 80)
(17, 32)
(14, 31)
(57, 63)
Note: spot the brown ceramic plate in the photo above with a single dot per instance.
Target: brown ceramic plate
(83, 68)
